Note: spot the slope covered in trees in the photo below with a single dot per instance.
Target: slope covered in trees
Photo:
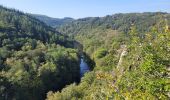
(100, 34)
(53, 22)
(131, 52)
(34, 58)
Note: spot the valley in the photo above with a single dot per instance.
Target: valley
(119, 56)
(124, 49)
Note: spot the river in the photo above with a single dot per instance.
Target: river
(83, 67)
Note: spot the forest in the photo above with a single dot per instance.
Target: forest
(34, 58)
(128, 55)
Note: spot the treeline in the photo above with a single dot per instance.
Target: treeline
(121, 22)
(34, 58)
(53, 22)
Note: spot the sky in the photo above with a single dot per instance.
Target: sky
(86, 8)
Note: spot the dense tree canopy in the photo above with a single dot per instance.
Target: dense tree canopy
(131, 52)
(127, 53)
(34, 58)
(53, 22)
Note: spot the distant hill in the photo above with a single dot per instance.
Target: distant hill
(53, 22)
(94, 32)
(121, 21)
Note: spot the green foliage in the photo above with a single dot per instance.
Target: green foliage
(143, 74)
(100, 53)
(33, 57)
(53, 22)
(36, 60)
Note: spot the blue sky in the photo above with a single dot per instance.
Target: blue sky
(86, 8)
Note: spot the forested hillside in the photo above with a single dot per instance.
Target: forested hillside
(99, 35)
(34, 58)
(95, 32)
(53, 22)
(128, 55)
(131, 52)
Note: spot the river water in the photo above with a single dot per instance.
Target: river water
(83, 67)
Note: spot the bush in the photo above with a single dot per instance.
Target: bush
(100, 53)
